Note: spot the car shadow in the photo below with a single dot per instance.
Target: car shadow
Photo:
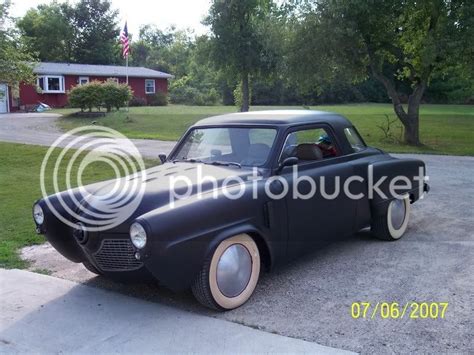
(154, 292)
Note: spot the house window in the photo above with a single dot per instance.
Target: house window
(83, 80)
(51, 83)
(150, 86)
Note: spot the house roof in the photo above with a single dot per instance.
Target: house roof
(97, 70)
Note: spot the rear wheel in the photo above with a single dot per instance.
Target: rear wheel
(393, 224)
(228, 278)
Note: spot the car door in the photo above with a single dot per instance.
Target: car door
(322, 215)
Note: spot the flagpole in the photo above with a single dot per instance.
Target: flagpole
(126, 73)
(126, 64)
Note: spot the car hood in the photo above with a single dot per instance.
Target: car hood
(159, 185)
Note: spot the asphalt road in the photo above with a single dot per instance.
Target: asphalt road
(310, 299)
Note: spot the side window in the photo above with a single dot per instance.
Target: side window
(309, 144)
(354, 139)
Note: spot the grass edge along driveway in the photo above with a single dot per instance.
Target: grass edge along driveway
(445, 129)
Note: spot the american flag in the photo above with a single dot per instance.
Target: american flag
(124, 41)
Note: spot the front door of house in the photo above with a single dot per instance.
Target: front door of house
(3, 98)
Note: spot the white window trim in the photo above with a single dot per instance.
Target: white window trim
(81, 78)
(45, 83)
(154, 87)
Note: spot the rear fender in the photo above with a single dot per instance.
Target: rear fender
(398, 172)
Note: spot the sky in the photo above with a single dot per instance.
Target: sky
(162, 13)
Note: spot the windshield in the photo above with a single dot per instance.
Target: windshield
(227, 146)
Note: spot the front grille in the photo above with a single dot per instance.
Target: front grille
(116, 255)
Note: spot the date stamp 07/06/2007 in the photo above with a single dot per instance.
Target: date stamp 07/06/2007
(395, 310)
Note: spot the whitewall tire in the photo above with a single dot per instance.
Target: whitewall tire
(229, 277)
(393, 224)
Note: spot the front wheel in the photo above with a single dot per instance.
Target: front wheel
(392, 224)
(228, 278)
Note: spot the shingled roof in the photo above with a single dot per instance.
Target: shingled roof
(97, 70)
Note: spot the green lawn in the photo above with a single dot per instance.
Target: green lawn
(20, 187)
(445, 129)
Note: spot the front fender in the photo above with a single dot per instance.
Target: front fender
(181, 238)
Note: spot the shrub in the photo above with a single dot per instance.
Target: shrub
(137, 101)
(97, 94)
(78, 98)
(94, 95)
(87, 96)
(189, 95)
(158, 99)
(115, 95)
(184, 91)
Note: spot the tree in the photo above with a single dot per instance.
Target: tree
(97, 32)
(15, 60)
(401, 43)
(239, 45)
(200, 83)
(168, 50)
(86, 32)
(48, 31)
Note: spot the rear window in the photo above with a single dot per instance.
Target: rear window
(354, 139)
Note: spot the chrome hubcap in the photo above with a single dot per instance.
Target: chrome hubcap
(234, 270)
(398, 213)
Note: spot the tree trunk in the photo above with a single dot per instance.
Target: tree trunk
(412, 130)
(245, 93)
(410, 119)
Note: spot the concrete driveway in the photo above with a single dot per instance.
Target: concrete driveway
(42, 314)
(40, 129)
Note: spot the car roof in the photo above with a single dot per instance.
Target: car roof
(276, 117)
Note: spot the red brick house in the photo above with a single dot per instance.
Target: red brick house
(55, 79)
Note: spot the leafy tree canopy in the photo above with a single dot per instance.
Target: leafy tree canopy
(48, 31)
(15, 61)
(401, 43)
(239, 41)
(96, 29)
(86, 32)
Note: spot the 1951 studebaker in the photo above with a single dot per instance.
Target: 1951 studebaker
(285, 167)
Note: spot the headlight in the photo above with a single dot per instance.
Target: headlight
(138, 235)
(38, 214)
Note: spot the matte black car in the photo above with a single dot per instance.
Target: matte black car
(217, 245)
